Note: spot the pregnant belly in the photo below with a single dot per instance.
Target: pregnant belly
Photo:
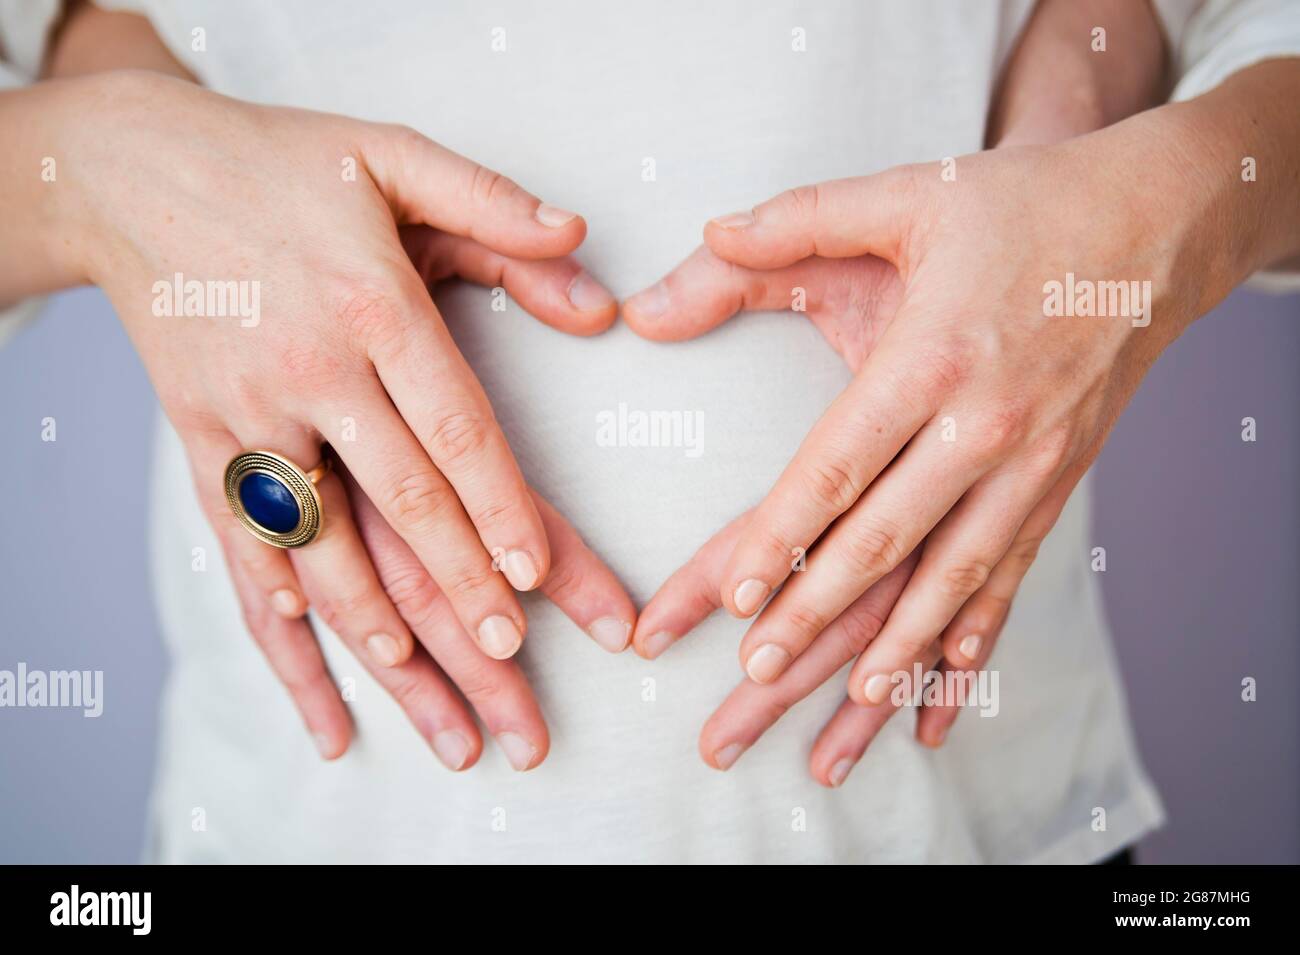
(648, 448)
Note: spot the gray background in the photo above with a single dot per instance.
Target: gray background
(1201, 587)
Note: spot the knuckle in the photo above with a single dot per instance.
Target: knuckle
(494, 513)
(563, 582)
(417, 500)
(246, 396)
(860, 627)
(802, 201)
(300, 672)
(961, 578)
(945, 369)
(368, 313)
(914, 645)
(872, 550)
(340, 608)
(413, 593)
(457, 435)
(469, 582)
(478, 682)
(773, 709)
(1024, 551)
(405, 688)
(1052, 453)
(1005, 427)
(805, 620)
(487, 186)
(833, 482)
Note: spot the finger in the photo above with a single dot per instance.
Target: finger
(442, 402)
(295, 657)
(341, 582)
(422, 507)
(752, 709)
(689, 596)
(704, 291)
(426, 183)
(836, 219)
(959, 557)
(265, 568)
(969, 639)
(933, 721)
(885, 525)
(843, 740)
(496, 689)
(894, 395)
(582, 586)
(557, 291)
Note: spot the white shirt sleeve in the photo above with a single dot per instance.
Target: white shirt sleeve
(24, 29)
(1211, 40)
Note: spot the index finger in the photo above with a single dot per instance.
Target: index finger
(428, 183)
(852, 443)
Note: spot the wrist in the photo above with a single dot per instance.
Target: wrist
(39, 181)
(1219, 179)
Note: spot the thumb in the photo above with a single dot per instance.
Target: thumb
(425, 183)
(704, 291)
(835, 219)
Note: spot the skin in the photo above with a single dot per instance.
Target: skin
(959, 333)
(1029, 110)
(348, 330)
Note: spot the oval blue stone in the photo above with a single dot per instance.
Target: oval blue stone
(269, 502)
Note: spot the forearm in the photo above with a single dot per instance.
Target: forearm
(91, 40)
(37, 252)
(1056, 85)
(38, 242)
(1243, 140)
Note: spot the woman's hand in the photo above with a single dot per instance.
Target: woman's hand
(980, 405)
(445, 676)
(328, 333)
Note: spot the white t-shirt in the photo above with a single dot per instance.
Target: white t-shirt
(584, 99)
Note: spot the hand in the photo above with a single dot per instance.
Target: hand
(973, 416)
(851, 302)
(345, 331)
(691, 594)
(445, 660)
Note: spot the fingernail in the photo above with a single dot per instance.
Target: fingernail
(876, 688)
(499, 637)
(840, 771)
(749, 596)
(735, 220)
(323, 745)
(518, 750)
(588, 295)
(519, 569)
(766, 663)
(554, 216)
(286, 603)
(383, 649)
(651, 302)
(452, 748)
(611, 633)
(724, 757)
(657, 643)
(970, 646)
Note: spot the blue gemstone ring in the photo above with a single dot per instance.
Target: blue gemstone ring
(275, 500)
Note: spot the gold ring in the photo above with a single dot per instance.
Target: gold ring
(275, 500)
